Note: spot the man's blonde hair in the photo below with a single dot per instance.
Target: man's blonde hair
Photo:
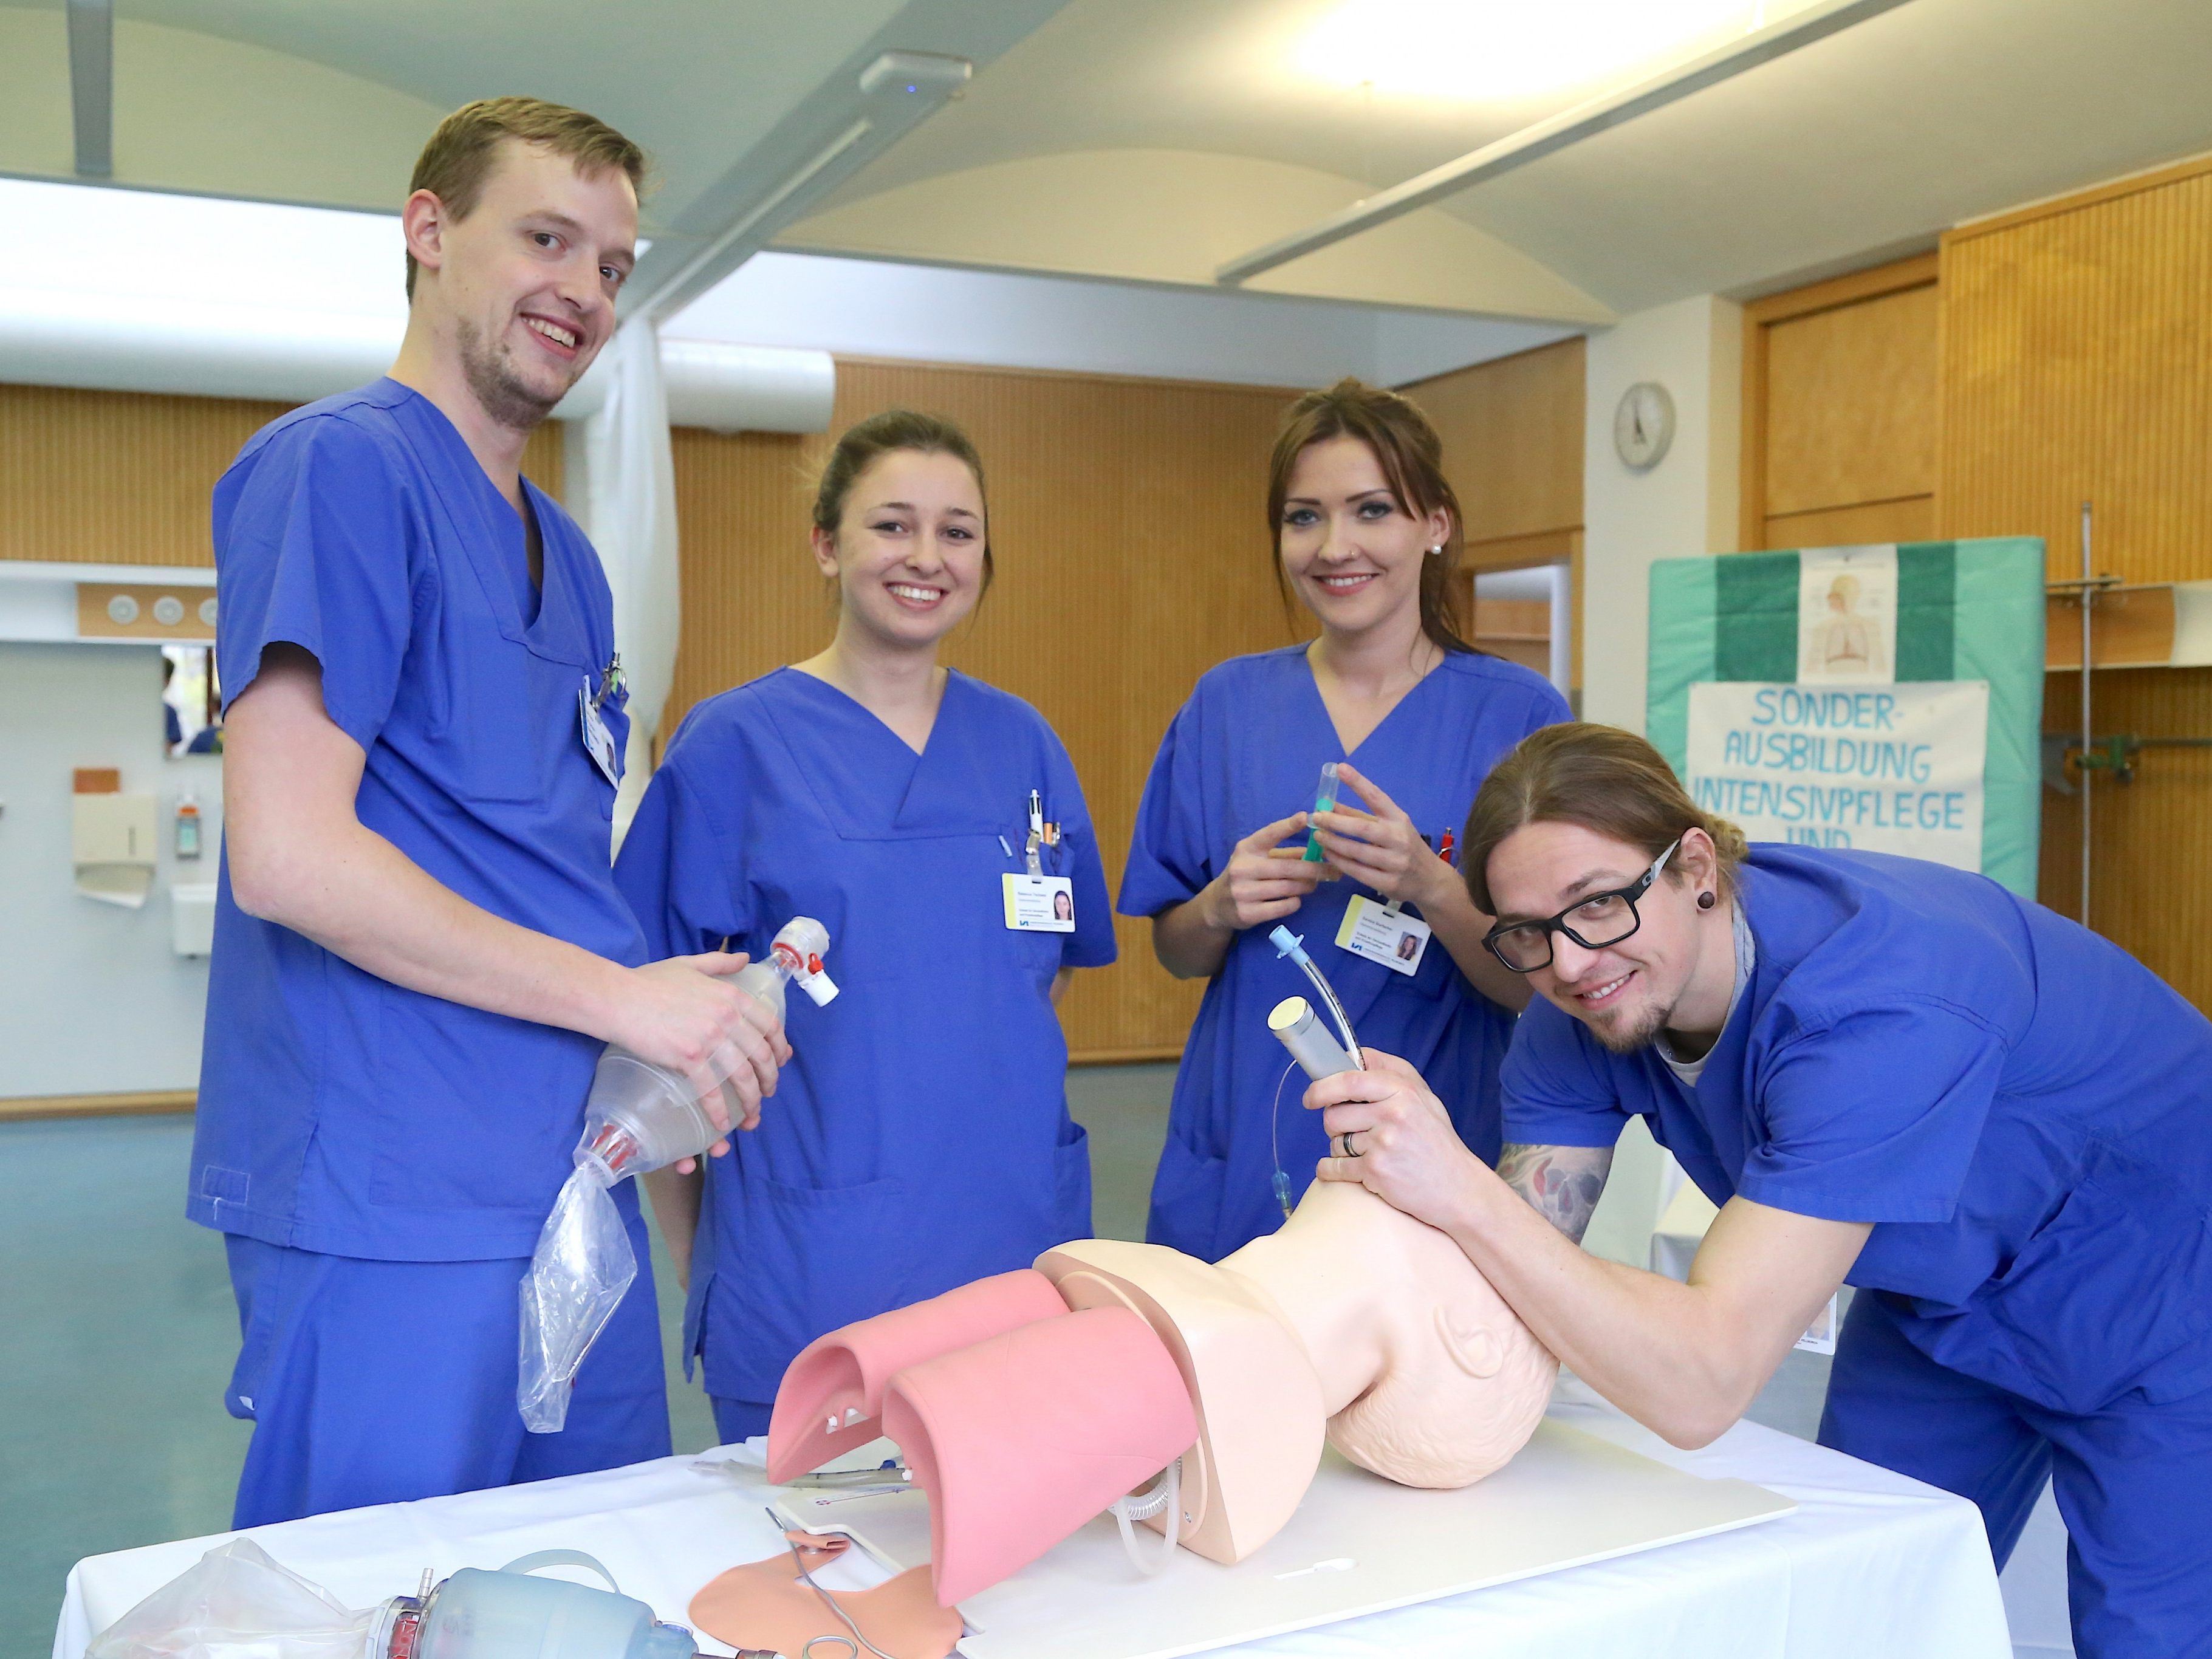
(462, 152)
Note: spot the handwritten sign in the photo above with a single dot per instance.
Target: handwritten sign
(1889, 769)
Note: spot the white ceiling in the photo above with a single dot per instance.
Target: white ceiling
(327, 102)
(1180, 128)
(1148, 140)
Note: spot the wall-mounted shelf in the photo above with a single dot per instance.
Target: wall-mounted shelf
(57, 602)
(2132, 625)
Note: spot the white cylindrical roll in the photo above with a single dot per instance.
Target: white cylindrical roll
(741, 388)
(1311, 1043)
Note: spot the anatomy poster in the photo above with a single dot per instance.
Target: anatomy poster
(1847, 615)
(1888, 696)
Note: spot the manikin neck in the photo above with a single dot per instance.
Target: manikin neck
(1306, 1275)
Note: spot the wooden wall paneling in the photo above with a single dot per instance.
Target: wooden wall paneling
(2077, 366)
(2077, 349)
(1512, 436)
(1512, 432)
(1132, 552)
(1840, 410)
(1912, 520)
(126, 477)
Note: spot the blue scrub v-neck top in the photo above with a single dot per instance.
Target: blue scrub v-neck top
(1248, 749)
(338, 1112)
(920, 1137)
(2022, 1110)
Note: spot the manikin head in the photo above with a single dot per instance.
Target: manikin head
(1366, 525)
(901, 526)
(1027, 1403)
(1579, 810)
(521, 226)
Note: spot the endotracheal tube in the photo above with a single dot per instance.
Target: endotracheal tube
(640, 1117)
(1311, 1046)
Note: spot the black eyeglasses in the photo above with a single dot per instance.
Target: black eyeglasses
(1601, 919)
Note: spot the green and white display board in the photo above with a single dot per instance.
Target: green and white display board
(1888, 698)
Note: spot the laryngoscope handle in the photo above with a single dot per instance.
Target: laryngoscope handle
(1310, 1042)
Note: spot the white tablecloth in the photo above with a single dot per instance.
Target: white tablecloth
(1871, 1563)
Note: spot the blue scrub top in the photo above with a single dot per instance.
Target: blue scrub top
(1246, 749)
(338, 1112)
(920, 1137)
(2022, 1109)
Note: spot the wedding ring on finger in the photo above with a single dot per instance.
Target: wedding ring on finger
(1343, 1142)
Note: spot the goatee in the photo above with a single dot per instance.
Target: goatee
(497, 387)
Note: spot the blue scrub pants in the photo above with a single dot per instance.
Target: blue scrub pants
(2134, 1480)
(739, 1420)
(378, 1381)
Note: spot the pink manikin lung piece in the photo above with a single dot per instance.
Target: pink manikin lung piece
(1020, 1440)
(841, 1376)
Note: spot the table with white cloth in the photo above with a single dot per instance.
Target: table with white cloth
(1870, 1563)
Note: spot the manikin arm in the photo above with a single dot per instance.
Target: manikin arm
(300, 857)
(1683, 1359)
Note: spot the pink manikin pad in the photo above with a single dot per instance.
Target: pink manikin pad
(1021, 1439)
(762, 1605)
(846, 1370)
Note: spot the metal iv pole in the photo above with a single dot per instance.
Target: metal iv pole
(2089, 598)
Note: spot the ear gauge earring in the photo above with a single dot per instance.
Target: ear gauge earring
(1706, 900)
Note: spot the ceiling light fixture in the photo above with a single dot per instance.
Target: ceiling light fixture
(1498, 51)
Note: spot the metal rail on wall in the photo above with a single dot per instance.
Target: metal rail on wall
(2084, 752)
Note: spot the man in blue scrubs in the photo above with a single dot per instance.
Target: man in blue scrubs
(1994, 1123)
(419, 946)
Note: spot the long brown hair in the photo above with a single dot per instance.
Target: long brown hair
(1609, 782)
(1407, 447)
(883, 435)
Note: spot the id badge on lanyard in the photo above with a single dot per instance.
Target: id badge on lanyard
(599, 742)
(1383, 932)
(1035, 902)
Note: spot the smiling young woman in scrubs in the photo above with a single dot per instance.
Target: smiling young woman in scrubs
(1888, 1074)
(419, 950)
(1367, 532)
(921, 1140)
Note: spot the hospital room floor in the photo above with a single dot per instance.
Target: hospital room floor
(119, 1332)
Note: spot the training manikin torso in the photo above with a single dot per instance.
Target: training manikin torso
(1027, 1403)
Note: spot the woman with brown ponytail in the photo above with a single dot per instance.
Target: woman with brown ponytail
(1887, 1074)
(1367, 535)
(920, 1137)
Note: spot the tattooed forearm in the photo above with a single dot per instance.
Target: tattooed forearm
(1561, 1182)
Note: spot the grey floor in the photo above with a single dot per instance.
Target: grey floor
(117, 1333)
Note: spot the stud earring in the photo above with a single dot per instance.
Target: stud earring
(1706, 900)
(1437, 550)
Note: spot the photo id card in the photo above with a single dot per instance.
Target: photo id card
(599, 742)
(1370, 929)
(1821, 1339)
(1040, 904)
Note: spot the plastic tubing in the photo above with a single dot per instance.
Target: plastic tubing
(1289, 945)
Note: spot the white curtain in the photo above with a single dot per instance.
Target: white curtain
(629, 513)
